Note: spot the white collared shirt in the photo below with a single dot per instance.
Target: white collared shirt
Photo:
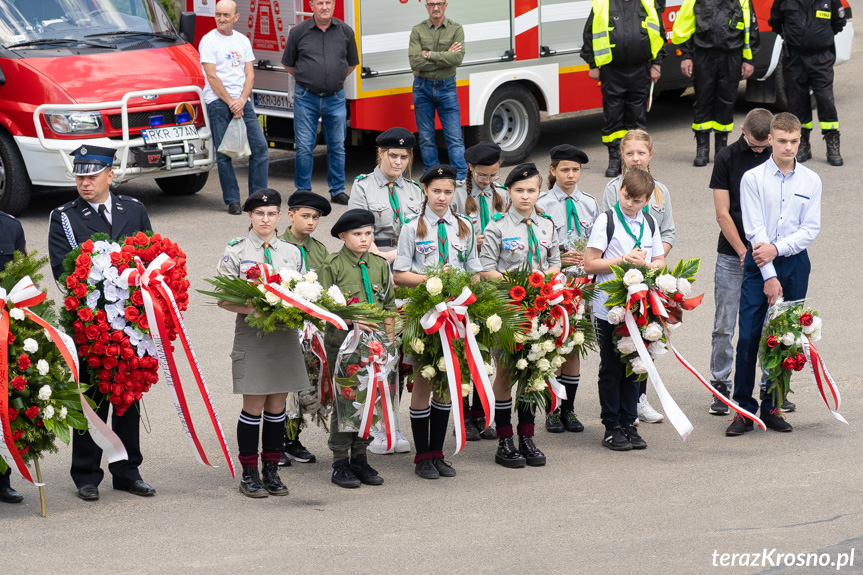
(107, 205)
(781, 209)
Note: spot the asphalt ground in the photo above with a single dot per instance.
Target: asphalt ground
(675, 507)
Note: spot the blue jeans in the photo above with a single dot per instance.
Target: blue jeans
(259, 164)
(332, 111)
(440, 95)
(727, 279)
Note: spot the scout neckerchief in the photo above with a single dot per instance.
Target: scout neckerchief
(572, 215)
(268, 257)
(442, 244)
(483, 212)
(394, 202)
(626, 226)
(532, 243)
(367, 283)
(303, 253)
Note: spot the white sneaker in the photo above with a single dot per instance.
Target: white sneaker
(378, 446)
(402, 444)
(646, 412)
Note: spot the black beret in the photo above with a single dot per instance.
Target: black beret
(483, 154)
(439, 172)
(304, 199)
(265, 197)
(569, 153)
(396, 138)
(521, 172)
(351, 220)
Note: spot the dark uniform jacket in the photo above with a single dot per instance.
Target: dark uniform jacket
(630, 44)
(716, 27)
(11, 238)
(807, 26)
(128, 216)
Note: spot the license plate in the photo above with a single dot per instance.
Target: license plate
(273, 102)
(171, 134)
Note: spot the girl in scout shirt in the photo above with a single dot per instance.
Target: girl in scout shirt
(392, 198)
(636, 148)
(572, 212)
(521, 236)
(438, 237)
(265, 369)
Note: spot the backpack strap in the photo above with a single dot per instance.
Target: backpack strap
(609, 228)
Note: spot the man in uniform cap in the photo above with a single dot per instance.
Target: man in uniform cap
(97, 210)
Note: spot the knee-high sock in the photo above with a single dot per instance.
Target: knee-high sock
(503, 418)
(439, 421)
(248, 428)
(272, 436)
(526, 419)
(420, 427)
(570, 383)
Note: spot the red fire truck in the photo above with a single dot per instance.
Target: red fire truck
(521, 57)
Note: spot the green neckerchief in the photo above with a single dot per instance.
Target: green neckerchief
(367, 283)
(483, 212)
(532, 243)
(290, 237)
(268, 257)
(442, 244)
(572, 215)
(626, 226)
(394, 202)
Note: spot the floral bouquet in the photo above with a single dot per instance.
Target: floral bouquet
(366, 377)
(316, 402)
(287, 299)
(451, 324)
(786, 346)
(557, 325)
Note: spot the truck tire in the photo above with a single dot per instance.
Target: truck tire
(511, 121)
(183, 185)
(14, 180)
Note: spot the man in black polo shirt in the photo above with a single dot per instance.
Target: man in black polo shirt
(730, 164)
(321, 53)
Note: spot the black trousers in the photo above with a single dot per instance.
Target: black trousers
(4, 478)
(715, 77)
(618, 394)
(624, 100)
(804, 72)
(87, 456)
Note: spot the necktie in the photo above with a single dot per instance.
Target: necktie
(394, 203)
(103, 213)
(572, 216)
(483, 213)
(532, 243)
(367, 284)
(268, 257)
(442, 244)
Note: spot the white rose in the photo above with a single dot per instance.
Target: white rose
(494, 323)
(533, 335)
(418, 346)
(536, 349)
(521, 364)
(48, 412)
(684, 287)
(290, 275)
(534, 324)
(616, 315)
(557, 361)
(557, 330)
(653, 331)
(465, 389)
(667, 283)
(657, 349)
(42, 367)
(788, 339)
(30, 345)
(16, 314)
(538, 385)
(311, 277)
(474, 328)
(543, 365)
(308, 291)
(272, 298)
(815, 326)
(45, 393)
(632, 277)
(336, 294)
(567, 349)
(441, 364)
(625, 345)
(63, 412)
(578, 338)
(489, 369)
(637, 365)
(434, 285)
(548, 346)
(428, 372)
(543, 329)
(815, 336)
(519, 337)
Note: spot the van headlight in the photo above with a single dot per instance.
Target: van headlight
(74, 122)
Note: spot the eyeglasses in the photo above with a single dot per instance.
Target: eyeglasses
(487, 178)
(268, 215)
(754, 147)
(434, 5)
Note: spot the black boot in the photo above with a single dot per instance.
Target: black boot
(720, 140)
(364, 472)
(343, 476)
(250, 484)
(831, 138)
(534, 457)
(702, 149)
(507, 455)
(613, 160)
(804, 152)
(272, 482)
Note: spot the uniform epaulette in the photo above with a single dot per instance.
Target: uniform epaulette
(417, 184)
(546, 216)
(496, 217)
(377, 256)
(129, 199)
(361, 177)
(235, 241)
(10, 216)
(501, 186)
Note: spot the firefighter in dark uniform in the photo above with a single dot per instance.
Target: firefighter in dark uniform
(96, 210)
(719, 39)
(11, 241)
(807, 28)
(624, 44)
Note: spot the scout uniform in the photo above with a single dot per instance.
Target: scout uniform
(572, 214)
(346, 270)
(267, 365)
(393, 203)
(662, 214)
(483, 154)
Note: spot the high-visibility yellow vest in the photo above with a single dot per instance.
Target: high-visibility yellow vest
(601, 31)
(684, 25)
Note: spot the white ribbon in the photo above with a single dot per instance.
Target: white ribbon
(807, 351)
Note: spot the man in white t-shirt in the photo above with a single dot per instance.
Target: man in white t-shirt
(228, 64)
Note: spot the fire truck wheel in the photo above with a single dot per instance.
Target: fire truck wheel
(511, 121)
(14, 181)
(183, 185)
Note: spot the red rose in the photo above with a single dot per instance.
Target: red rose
(98, 348)
(71, 303)
(352, 369)
(156, 238)
(85, 314)
(800, 362)
(141, 239)
(117, 336)
(535, 279)
(87, 247)
(24, 450)
(131, 314)
(80, 291)
(517, 293)
(83, 261)
(143, 323)
(789, 363)
(128, 248)
(103, 337)
(23, 362)
(92, 332)
(13, 414)
(117, 399)
(84, 350)
(101, 316)
(353, 300)
(137, 298)
(253, 273)
(80, 338)
(113, 350)
(772, 341)
(103, 327)
(349, 393)
(104, 387)
(10, 338)
(519, 346)
(275, 279)
(110, 362)
(94, 361)
(71, 281)
(82, 273)
(32, 413)
(19, 383)
(376, 347)
(806, 319)
(127, 353)
(18, 435)
(78, 326)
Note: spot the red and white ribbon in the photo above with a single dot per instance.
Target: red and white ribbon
(558, 285)
(153, 285)
(451, 321)
(298, 302)
(558, 393)
(817, 369)
(325, 380)
(24, 295)
(378, 386)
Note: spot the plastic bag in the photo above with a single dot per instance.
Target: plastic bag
(235, 143)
